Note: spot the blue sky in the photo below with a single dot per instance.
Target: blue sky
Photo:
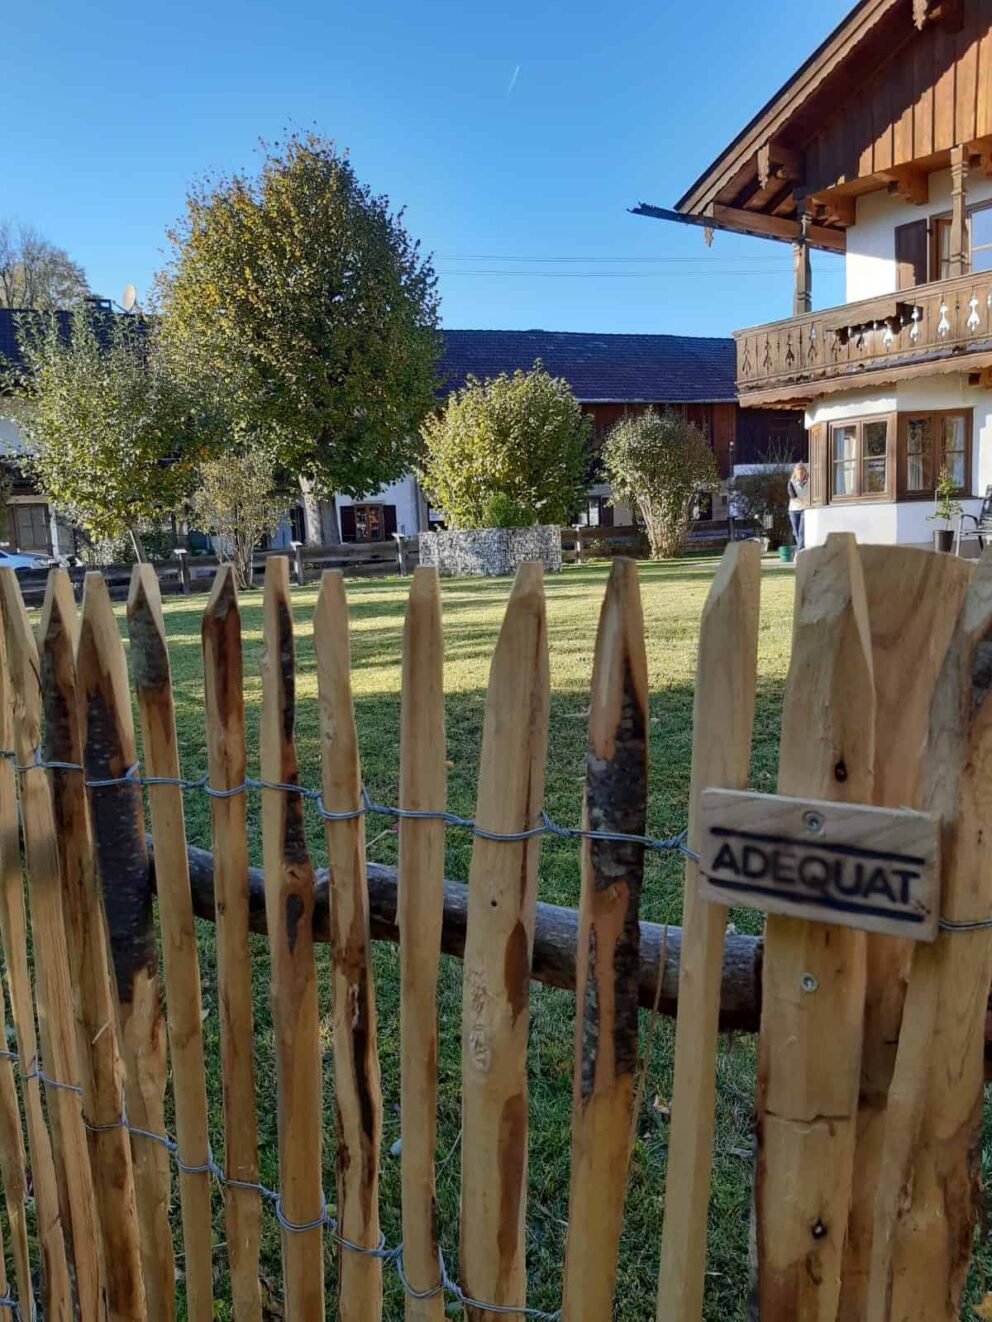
(516, 135)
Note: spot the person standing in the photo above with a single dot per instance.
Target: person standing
(798, 502)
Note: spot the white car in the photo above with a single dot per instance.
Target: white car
(19, 561)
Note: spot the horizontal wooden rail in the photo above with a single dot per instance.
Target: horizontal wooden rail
(555, 939)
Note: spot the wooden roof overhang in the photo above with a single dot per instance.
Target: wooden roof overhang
(879, 104)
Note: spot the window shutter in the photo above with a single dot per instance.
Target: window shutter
(388, 520)
(817, 465)
(911, 254)
(347, 516)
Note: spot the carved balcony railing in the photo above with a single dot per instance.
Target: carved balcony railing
(803, 356)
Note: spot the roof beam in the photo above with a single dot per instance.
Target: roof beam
(909, 183)
(980, 155)
(948, 12)
(749, 222)
(778, 162)
(840, 208)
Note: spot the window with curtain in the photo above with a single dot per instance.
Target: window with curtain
(919, 454)
(859, 459)
(930, 442)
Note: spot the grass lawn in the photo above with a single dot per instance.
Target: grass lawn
(673, 596)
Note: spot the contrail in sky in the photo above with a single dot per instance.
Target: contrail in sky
(513, 80)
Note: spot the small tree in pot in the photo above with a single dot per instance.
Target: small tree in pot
(946, 509)
(660, 462)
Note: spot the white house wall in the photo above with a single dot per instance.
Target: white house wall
(403, 494)
(870, 267)
(904, 522)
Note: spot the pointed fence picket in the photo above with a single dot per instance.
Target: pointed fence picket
(867, 1104)
(227, 768)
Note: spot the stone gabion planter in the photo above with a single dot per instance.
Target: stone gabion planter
(490, 551)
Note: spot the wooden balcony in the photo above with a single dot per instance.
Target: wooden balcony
(945, 326)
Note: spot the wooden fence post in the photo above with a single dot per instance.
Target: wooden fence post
(913, 601)
(298, 563)
(606, 1008)
(153, 686)
(289, 887)
(182, 555)
(12, 1170)
(226, 762)
(117, 817)
(420, 906)
(928, 1183)
(814, 973)
(357, 1090)
(401, 554)
(53, 985)
(495, 1003)
(56, 1290)
(100, 1072)
(722, 720)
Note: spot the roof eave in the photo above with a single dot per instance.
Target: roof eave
(840, 42)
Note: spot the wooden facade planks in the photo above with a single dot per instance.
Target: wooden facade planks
(891, 97)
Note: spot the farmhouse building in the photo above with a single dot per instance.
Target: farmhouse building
(879, 147)
(610, 375)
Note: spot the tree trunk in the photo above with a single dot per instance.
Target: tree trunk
(311, 511)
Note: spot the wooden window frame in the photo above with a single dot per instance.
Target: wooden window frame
(937, 416)
(979, 206)
(934, 224)
(859, 497)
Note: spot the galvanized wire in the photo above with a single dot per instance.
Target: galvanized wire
(368, 806)
(391, 1256)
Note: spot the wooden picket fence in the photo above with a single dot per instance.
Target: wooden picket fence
(871, 1048)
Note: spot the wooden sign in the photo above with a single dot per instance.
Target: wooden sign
(871, 868)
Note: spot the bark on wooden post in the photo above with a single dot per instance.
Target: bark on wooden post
(53, 985)
(226, 762)
(423, 776)
(814, 973)
(153, 686)
(289, 896)
(930, 1174)
(12, 1170)
(357, 1091)
(56, 1290)
(722, 720)
(100, 1071)
(606, 1010)
(117, 816)
(502, 896)
(913, 601)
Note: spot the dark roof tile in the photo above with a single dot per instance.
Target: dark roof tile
(676, 369)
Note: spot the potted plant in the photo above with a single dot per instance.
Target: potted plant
(946, 509)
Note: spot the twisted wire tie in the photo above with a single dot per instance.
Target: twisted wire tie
(546, 825)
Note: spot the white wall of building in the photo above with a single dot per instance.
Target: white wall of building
(404, 494)
(871, 242)
(905, 522)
